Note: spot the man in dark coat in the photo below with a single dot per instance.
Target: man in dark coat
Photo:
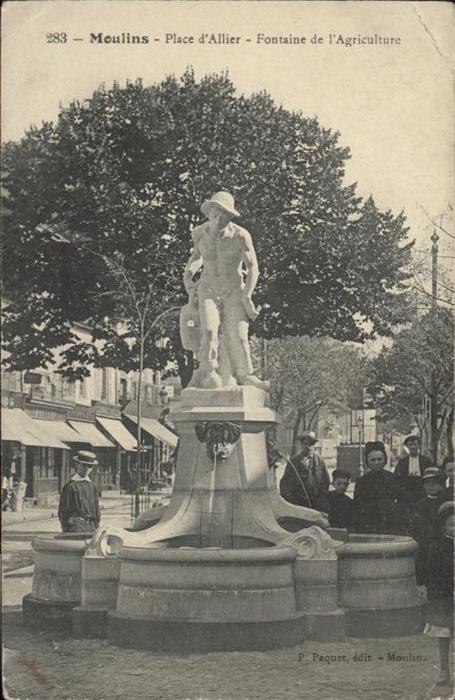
(78, 509)
(306, 480)
(409, 471)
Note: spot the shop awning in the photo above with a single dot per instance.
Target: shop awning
(89, 433)
(48, 433)
(119, 433)
(60, 429)
(17, 426)
(156, 430)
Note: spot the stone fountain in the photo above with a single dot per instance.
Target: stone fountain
(219, 568)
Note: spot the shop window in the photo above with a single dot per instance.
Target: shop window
(123, 389)
(69, 388)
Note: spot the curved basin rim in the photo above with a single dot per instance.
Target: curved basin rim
(252, 556)
(403, 546)
(52, 543)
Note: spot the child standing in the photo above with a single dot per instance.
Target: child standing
(423, 525)
(440, 588)
(340, 505)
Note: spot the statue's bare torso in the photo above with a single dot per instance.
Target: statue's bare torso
(222, 253)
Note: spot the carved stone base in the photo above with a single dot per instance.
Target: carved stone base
(89, 623)
(394, 622)
(325, 626)
(195, 637)
(47, 614)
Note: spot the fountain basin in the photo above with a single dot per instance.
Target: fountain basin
(377, 587)
(205, 599)
(252, 597)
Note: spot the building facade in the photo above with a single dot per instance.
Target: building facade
(46, 419)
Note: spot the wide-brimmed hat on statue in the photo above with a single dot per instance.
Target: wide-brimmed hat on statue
(224, 200)
(309, 437)
(84, 457)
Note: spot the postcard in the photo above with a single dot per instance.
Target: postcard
(227, 364)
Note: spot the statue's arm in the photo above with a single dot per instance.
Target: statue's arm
(251, 264)
(194, 263)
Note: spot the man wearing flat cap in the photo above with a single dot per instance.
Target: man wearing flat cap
(220, 300)
(409, 472)
(306, 480)
(79, 505)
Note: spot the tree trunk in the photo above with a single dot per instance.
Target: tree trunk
(185, 365)
(185, 359)
(296, 431)
(434, 432)
(449, 431)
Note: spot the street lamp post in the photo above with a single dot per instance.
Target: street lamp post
(360, 428)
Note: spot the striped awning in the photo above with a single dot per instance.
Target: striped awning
(60, 429)
(157, 430)
(18, 426)
(119, 433)
(89, 433)
(50, 434)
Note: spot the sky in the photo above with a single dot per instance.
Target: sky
(393, 104)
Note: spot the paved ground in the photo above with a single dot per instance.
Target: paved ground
(38, 665)
(43, 666)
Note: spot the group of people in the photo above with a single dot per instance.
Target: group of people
(384, 502)
(412, 500)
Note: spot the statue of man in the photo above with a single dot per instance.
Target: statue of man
(222, 296)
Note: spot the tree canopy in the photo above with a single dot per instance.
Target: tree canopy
(312, 378)
(122, 176)
(416, 372)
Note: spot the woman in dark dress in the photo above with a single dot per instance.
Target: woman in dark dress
(440, 572)
(375, 509)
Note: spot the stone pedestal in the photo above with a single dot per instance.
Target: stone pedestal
(223, 499)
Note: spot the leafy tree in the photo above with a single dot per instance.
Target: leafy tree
(415, 373)
(123, 175)
(312, 377)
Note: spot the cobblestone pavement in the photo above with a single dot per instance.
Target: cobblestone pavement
(45, 666)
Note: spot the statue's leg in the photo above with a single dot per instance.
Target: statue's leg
(225, 364)
(208, 353)
(235, 331)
